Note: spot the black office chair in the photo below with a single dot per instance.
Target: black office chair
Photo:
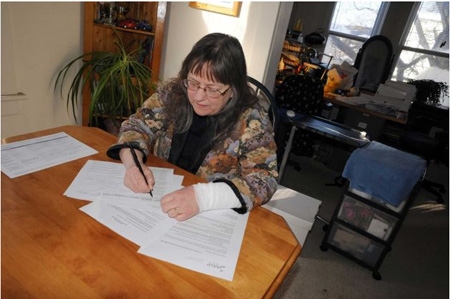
(417, 140)
(268, 101)
(304, 95)
(374, 62)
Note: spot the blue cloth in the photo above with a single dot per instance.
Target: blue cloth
(384, 172)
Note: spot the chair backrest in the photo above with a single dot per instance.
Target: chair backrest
(268, 101)
(302, 94)
(374, 61)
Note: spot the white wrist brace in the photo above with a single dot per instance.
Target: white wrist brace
(213, 196)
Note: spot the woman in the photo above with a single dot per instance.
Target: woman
(209, 122)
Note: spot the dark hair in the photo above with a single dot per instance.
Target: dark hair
(224, 57)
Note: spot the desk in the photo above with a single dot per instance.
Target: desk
(362, 109)
(359, 117)
(329, 129)
(50, 249)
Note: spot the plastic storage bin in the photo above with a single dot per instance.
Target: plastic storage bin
(360, 247)
(367, 218)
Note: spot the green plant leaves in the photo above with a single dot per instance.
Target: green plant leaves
(429, 91)
(118, 82)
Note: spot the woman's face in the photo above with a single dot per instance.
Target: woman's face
(202, 103)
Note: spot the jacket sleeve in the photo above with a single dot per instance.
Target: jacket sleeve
(140, 129)
(256, 175)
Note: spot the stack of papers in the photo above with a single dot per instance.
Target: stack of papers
(31, 155)
(208, 243)
(371, 102)
(299, 210)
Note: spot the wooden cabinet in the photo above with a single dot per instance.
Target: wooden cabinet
(100, 37)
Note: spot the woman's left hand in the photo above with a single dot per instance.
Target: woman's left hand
(180, 204)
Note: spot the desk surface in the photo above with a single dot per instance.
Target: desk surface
(362, 109)
(332, 130)
(327, 128)
(50, 249)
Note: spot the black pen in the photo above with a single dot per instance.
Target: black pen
(136, 161)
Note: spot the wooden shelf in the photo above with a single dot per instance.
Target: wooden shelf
(101, 37)
(111, 27)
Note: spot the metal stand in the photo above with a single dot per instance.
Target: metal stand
(287, 150)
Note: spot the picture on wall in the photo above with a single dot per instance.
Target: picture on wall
(231, 8)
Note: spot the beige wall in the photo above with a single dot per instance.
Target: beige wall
(40, 37)
(254, 28)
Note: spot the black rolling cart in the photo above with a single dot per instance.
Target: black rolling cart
(363, 230)
(382, 184)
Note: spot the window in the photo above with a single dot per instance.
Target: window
(424, 54)
(352, 24)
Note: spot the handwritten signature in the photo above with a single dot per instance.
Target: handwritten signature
(216, 266)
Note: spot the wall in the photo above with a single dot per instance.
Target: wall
(314, 16)
(254, 28)
(396, 18)
(41, 37)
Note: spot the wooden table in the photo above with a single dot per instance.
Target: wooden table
(50, 249)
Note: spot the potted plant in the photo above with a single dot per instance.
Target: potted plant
(118, 83)
(429, 91)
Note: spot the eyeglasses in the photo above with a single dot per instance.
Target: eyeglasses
(210, 92)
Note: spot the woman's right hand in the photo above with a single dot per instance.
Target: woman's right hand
(133, 179)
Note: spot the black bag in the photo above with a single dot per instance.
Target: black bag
(315, 38)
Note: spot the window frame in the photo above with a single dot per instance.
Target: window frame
(402, 41)
(376, 29)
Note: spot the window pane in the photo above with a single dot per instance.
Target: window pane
(430, 28)
(413, 65)
(342, 49)
(355, 18)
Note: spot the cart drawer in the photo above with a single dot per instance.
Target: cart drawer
(367, 218)
(362, 248)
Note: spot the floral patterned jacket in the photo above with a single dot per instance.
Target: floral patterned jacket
(246, 160)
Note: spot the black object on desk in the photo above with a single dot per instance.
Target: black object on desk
(326, 128)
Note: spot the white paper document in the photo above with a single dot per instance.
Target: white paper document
(359, 100)
(31, 155)
(137, 222)
(378, 228)
(207, 243)
(104, 180)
